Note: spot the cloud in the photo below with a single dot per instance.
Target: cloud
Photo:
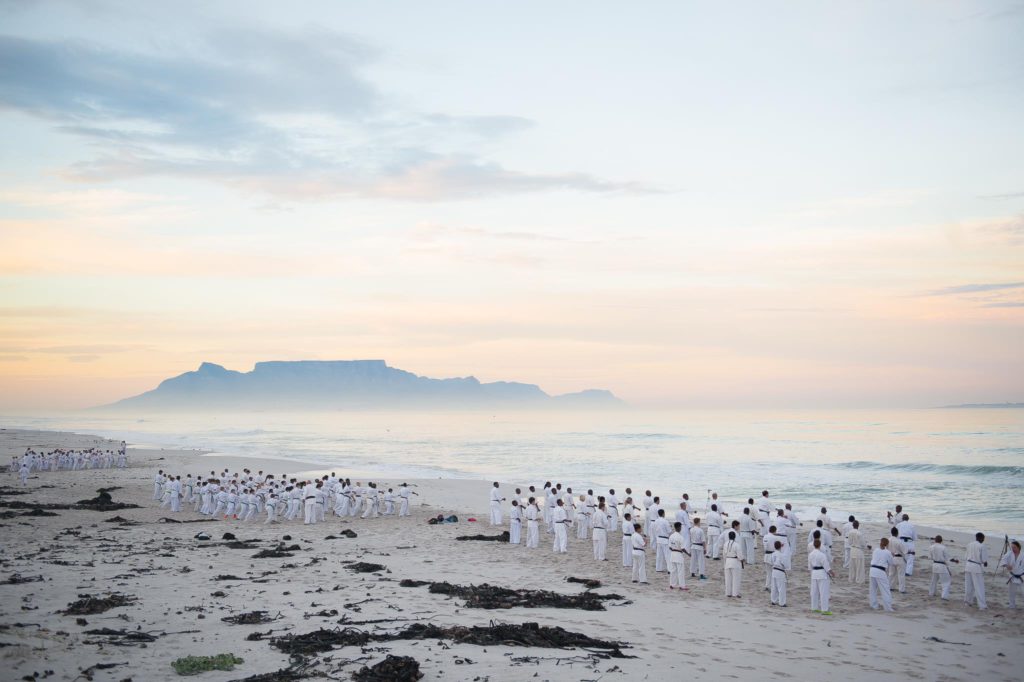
(288, 114)
(90, 350)
(974, 288)
(1005, 304)
(1008, 195)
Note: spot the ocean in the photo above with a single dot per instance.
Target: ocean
(952, 468)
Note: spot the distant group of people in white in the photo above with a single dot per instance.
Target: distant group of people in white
(762, 533)
(67, 460)
(246, 495)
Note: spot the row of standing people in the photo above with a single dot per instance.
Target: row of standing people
(686, 541)
(244, 496)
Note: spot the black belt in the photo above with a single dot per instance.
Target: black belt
(880, 568)
(517, 520)
(939, 562)
(681, 551)
(626, 534)
(899, 555)
(665, 537)
(771, 552)
(817, 568)
(776, 568)
(911, 552)
(907, 539)
(697, 544)
(972, 561)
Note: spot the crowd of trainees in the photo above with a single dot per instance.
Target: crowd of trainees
(762, 534)
(67, 460)
(244, 496)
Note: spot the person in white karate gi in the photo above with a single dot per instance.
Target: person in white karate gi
(496, 500)
(515, 523)
(878, 579)
(158, 482)
(764, 512)
(627, 540)
(677, 558)
(697, 544)
(613, 509)
(404, 494)
(976, 559)
(779, 573)
(855, 541)
(1013, 563)
(309, 505)
(714, 522)
(941, 572)
(908, 534)
(662, 532)
(732, 552)
(175, 487)
(748, 536)
(271, 508)
(560, 520)
(845, 532)
(768, 541)
(820, 567)
(599, 531)
(639, 555)
(532, 525)
(899, 564)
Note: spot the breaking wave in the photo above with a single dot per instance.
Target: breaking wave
(923, 467)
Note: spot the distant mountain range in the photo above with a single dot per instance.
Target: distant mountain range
(341, 384)
(984, 406)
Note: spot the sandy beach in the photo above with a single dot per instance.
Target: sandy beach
(180, 594)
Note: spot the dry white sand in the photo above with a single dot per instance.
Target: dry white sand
(671, 634)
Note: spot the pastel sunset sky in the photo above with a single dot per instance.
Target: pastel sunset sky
(689, 204)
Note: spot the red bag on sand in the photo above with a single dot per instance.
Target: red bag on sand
(471, 519)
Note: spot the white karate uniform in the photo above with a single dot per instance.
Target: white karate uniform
(1014, 566)
(878, 581)
(639, 558)
(780, 567)
(677, 560)
(748, 537)
(732, 552)
(940, 569)
(600, 534)
(309, 500)
(974, 576)
(271, 508)
(899, 564)
(764, 512)
(714, 521)
(560, 522)
(403, 509)
(908, 534)
(662, 532)
(855, 541)
(697, 544)
(532, 528)
(175, 487)
(627, 543)
(819, 565)
(495, 507)
(515, 525)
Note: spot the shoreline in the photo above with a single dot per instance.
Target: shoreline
(175, 579)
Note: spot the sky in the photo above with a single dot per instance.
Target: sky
(744, 204)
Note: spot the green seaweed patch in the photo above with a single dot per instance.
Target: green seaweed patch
(193, 665)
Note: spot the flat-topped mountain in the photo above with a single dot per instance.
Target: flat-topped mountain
(313, 384)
